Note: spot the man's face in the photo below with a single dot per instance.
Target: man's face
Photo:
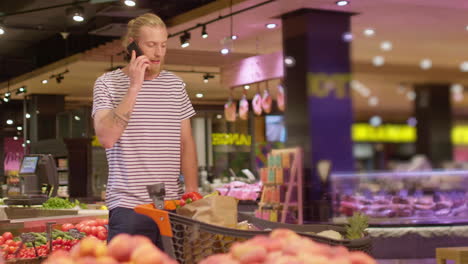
(152, 42)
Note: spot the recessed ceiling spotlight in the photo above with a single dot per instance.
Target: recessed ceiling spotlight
(246, 87)
(77, 118)
(2, 30)
(373, 101)
(378, 61)
(289, 61)
(9, 122)
(19, 128)
(130, 3)
(464, 66)
(347, 36)
(28, 141)
(27, 115)
(386, 46)
(44, 81)
(342, 3)
(425, 64)
(225, 51)
(234, 37)
(15, 138)
(369, 32)
(76, 12)
(219, 116)
(199, 95)
(271, 25)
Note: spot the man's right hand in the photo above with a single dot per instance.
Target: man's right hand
(136, 71)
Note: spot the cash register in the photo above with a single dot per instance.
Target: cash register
(37, 181)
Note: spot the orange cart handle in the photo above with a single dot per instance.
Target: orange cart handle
(160, 217)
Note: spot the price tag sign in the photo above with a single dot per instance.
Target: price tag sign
(27, 237)
(75, 233)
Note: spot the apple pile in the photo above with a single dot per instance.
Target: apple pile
(123, 248)
(283, 246)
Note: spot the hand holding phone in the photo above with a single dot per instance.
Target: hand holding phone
(134, 46)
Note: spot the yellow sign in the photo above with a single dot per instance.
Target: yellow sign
(460, 135)
(383, 133)
(321, 85)
(95, 142)
(231, 139)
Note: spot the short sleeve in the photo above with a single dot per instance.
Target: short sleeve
(187, 110)
(101, 97)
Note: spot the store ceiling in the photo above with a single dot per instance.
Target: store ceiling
(417, 29)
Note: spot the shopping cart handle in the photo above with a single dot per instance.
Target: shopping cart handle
(161, 218)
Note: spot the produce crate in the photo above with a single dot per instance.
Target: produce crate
(189, 241)
(37, 260)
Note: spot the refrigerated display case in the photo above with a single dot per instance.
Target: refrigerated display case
(426, 197)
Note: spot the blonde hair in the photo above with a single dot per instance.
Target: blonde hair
(133, 27)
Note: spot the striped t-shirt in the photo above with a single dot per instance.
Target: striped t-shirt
(148, 152)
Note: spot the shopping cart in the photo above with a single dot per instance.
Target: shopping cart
(190, 241)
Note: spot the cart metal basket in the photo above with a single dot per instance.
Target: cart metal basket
(190, 241)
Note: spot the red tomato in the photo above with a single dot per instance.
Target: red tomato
(94, 230)
(66, 227)
(102, 235)
(10, 243)
(79, 226)
(101, 229)
(87, 230)
(92, 223)
(2, 240)
(7, 235)
(17, 243)
(105, 222)
(12, 249)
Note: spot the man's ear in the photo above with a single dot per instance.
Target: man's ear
(130, 40)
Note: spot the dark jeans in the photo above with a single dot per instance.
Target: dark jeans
(125, 220)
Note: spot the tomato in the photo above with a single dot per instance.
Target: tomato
(67, 226)
(92, 223)
(105, 222)
(87, 230)
(2, 240)
(12, 249)
(79, 226)
(94, 230)
(17, 243)
(10, 243)
(102, 235)
(7, 235)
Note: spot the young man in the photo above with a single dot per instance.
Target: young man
(142, 117)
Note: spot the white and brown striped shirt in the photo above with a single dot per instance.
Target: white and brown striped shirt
(148, 151)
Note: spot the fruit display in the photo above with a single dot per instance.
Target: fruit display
(122, 248)
(283, 246)
(35, 244)
(403, 206)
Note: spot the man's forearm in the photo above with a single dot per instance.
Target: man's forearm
(111, 126)
(190, 166)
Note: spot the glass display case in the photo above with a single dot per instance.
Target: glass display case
(428, 197)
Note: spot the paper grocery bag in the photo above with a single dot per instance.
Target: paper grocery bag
(215, 210)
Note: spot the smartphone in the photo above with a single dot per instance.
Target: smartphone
(134, 46)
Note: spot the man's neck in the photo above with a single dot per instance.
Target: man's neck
(148, 75)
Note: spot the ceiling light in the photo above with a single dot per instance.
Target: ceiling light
(342, 3)
(28, 141)
(204, 34)
(466, 27)
(378, 61)
(21, 90)
(411, 95)
(76, 12)
(225, 51)
(464, 66)
(7, 94)
(234, 37)
(412, 121)
(44, 81)
(23, 145)
(348, 36)
(2, 30)
(185, 40)
(27, 115)
(456, 88)
(9, 122)
(219, 116)
(289, 61)
(199, 95)
(246, 87)
(77, 118)
(375, 121)
(386, 46)
(373, 101)
(6, 99)
(129, 3)
(19, 128)
(271, 25)
(425, 64)
(15, 138)
(369, 32)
